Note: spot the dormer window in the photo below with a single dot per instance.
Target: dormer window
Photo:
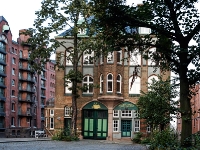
(144, 30)
(81, 31)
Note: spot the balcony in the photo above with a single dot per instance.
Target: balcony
(2, 97)
(2, 125)
(3, 50)
(25, 100)
(24, 113)
(23, 57)
(43, 77)
(2, 112)
(26, 89)
(3, 62)
(2, 73)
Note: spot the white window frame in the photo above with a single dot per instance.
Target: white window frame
(119, 81)
(119, 57)
(110, 81)
(68, 111)
(148, 128)
(135, 57)
(116, 113)
(89, 84)
(126, 113)
(101, 83)
(13, 60)
(88, 59)
(51, 112)
(13, 71)
(136, 125)
(46, 122)
(101, 59)
(110, 57)
(51, 123)
(115, 125)
(19, 122)
(68, 85)
(136, 86)
(150, 60)
(68, 60)
(150, 80)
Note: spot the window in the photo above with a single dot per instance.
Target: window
(2, 57)
(13, 106)
(150, 80)
(88, 58)
(19, 122)
(110, 58)
(13, 93)
(68, 86)
(137, 114)
(13, 82)
(68, 111)
(13, 60)
(119, 57)
(115, 113)
(119, 84)
(109, 83)
(115, 125)
(148, 128)
(134, 85)
(12, 122)
(151, 54)
(2, 92)
(21, 54)
(13, 50)
(51, 123)
(2, 79)
(88, 82)
(126, 113)
(13, 71)
(81, 31)
(137, 126)
(101, 59)
(144, 30)
(135, 57)
(2, 68)
(69, 57)
(51, 112)
(101, 83)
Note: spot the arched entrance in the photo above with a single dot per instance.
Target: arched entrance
(95, 121)
(125, 120)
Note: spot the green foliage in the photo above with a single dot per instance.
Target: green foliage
(157, 104)
(65, 135)
(146, 140)
(164, 139)
(137, 138)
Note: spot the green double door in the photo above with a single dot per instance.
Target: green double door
(126, 128)
(95, 124)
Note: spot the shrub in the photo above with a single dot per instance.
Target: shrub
(166, 139)
(64, 135)
(137, 138)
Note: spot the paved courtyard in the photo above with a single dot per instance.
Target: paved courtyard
(61, 145)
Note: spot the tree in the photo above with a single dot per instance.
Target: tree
(157, 105)
(55, 16)
(175, 24)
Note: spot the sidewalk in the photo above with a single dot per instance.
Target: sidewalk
(8, 140)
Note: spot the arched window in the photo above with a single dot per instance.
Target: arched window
(153, 77)
(88, 82)
(101, 83)
(134, 85)
(118, 83)
(110, 83)
(68, 111)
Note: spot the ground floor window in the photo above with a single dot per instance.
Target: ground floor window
(137, 126)
(115, 125)
(51, 123)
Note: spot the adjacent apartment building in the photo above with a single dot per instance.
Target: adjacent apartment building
(23, 92)
(109, 112)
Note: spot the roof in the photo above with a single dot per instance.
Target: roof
(2, 19)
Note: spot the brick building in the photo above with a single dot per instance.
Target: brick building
(108, 112)
(23, 92)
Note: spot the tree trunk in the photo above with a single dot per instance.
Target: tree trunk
(185, 105)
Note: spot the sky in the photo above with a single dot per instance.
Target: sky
(20, 14)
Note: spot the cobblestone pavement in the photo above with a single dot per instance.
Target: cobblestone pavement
(75, 145)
